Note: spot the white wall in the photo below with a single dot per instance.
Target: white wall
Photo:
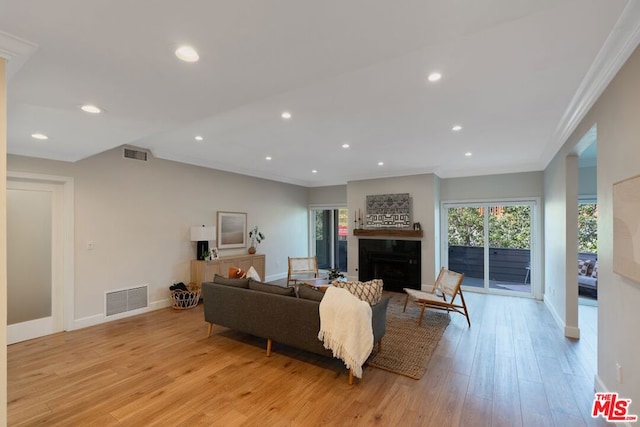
(616, 115)
(332, 195)
(3, 244)
(491, 187)
(138, 217)
(588, 177)
(422, 188)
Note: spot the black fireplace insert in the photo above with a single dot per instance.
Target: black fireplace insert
(396, 262)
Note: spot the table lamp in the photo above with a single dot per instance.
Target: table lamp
(202, 235)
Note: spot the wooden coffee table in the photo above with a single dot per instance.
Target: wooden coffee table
(319, 284)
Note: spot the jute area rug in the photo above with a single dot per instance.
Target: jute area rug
(407, 347)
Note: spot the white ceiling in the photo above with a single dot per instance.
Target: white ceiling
(349, 71)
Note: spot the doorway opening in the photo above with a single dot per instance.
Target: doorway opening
(329, 237)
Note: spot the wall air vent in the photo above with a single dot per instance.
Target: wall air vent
(126, 300)
(130, 153)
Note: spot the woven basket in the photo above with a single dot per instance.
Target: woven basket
(182, 300)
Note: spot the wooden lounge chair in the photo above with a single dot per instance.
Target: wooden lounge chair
(307, 266)
(442, 296)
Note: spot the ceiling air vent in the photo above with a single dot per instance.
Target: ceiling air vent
(130, 153)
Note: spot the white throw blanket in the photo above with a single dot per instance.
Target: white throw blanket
(345, 327)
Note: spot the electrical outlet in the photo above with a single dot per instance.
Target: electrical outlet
(619, 373)
(90, 245)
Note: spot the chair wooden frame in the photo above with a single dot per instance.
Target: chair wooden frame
(448, 285)
(304, 265)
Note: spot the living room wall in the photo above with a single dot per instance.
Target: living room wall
(138, 216)
(334, 195)
(424, 191)
(493, 187)
(618, 131)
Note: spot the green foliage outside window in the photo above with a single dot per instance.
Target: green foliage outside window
(588, 228)
(509, 226)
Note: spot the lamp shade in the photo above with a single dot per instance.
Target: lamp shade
(200, 233)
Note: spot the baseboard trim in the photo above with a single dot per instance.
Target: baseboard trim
(85, 322)
(599, 386)
(274, 277)
(569, 331)
(572, 332)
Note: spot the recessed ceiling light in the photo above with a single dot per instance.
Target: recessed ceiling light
(380, 163)
(434, 77)
(456, 128)
(88, 108)
(314, 171)
(198, 138)
(345, 145)
(268, 158)
(39, 136)
(468, 154)
(187, 54)
(285, 115)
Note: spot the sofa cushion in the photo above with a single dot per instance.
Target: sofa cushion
(238, 283)
(253, 274)
(236, 273)
(272, 289)
(307, 292)
(370, 291)
(584, 267)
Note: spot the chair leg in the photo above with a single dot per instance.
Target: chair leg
(350, 376)
(405, 303)
(268, 347)
(209, 330)
(421, 314)
(464, 307)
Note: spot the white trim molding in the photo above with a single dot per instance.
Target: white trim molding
(622, 41)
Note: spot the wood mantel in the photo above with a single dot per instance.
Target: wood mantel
(390, 232)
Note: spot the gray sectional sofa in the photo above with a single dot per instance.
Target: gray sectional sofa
(275, 313)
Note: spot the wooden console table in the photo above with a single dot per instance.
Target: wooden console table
(203, 271)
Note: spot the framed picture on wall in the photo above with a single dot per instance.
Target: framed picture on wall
(232, 230)
(626, 228)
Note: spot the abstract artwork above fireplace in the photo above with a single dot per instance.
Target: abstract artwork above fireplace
(388, 211)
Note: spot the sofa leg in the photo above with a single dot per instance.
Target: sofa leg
(350, 376)
(268, 347)
(209, 330)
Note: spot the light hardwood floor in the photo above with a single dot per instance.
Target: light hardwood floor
(513, 367)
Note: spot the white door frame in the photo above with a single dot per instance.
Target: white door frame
(536, 238)
(63, 232)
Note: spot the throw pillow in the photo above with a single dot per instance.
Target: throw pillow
(238, 283)
(271, 289)
(370, 291)
(253, 274)
(307, 292)
(594, 272)
(236, 273)
(583, 267)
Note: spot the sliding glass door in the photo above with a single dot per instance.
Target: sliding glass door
(491, 244)
(329, 237)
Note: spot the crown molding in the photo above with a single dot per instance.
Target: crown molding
(620, 44)
(16, 51)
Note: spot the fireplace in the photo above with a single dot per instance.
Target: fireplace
(396, 262)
